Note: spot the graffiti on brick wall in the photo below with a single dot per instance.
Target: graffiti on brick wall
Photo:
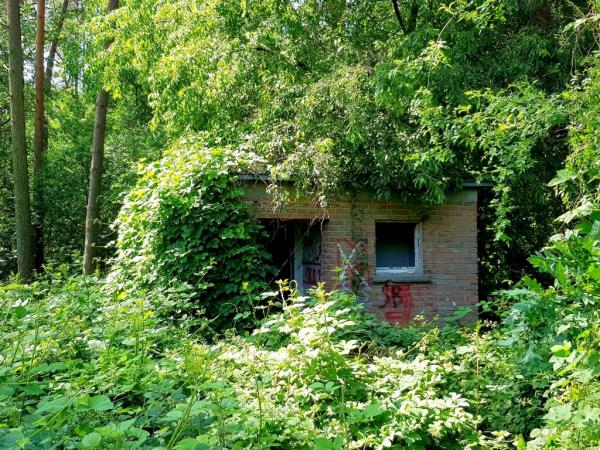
(311, 257)
(311, 246)
(398, 302)
(352, 262)
(311, 274)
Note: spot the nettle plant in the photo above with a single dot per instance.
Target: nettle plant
(81, 369)
(561, 327)
(310, 378)
(184, 231)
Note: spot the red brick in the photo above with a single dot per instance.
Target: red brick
(448, 244)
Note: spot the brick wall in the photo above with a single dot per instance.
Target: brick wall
(448, 249)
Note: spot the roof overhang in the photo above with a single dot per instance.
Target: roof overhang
(477, 184)
(266, 179)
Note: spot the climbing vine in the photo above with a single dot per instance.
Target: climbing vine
(184, 230)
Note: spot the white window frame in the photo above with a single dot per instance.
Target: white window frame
(418, 267)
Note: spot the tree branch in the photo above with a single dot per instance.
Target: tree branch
(398, 15)
(262, 48)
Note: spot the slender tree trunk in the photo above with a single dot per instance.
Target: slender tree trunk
(92, 224)
(39, 140)
(43, 85)
(54, 45)
(17, 118)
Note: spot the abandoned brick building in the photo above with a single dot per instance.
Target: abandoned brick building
(402, 262)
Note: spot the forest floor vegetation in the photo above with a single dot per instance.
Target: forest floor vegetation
(84, 367)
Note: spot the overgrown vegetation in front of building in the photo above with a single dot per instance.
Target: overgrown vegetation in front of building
(83, 365)
(185, 235)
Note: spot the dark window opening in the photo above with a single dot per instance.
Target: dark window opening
(395, 245)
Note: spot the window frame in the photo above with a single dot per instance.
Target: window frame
(418, 267)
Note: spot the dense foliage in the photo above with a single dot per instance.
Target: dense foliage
(184, 228)
(559, 326)
(179, 347)
(84, 369)
(67, 171)
(345, 95)
(334, 95)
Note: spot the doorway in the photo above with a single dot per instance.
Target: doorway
(295, 248)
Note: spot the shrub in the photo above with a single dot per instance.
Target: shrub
(184, 228)
(560, 325)
(80, 369)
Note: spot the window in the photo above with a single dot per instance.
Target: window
(397, 247)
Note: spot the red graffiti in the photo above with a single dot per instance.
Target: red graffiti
(398, 303)
(312, 274)
(353, 265)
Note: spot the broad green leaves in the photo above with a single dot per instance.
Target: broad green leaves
(331, 92)
(100, 403)
(112, 370)
(561, 322)
(91, 440)
(185, 235)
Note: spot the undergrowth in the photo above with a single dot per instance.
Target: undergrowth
(85, 366)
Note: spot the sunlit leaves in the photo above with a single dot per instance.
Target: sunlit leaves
(185, 230)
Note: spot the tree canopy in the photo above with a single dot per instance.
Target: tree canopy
(409, 98)
(405, 98)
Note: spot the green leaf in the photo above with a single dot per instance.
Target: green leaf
(173, 416)
(560, 413)
(532, 284)
(52, 406)
(33, 389)
(561, 350)
(322, 443)
(591, 416)
(100, 403)
(561, 275)
(190, 444)
(91, 440)
(20, 312)
(372, 410)
(594, 273)
(338, 443)
(6, 391)
(562, 176)
(11, 439)
(330, 386)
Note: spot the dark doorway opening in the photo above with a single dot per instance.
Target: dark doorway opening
(295, 248)
(280, 246)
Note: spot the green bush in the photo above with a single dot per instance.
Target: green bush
(536, 374)
(560, 326)
(78, 367)
(81, 369)
(184, 228)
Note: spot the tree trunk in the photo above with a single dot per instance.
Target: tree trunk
(92, 224)
(39, 139)
(17, 118)
(54, 45)
(43, 85)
